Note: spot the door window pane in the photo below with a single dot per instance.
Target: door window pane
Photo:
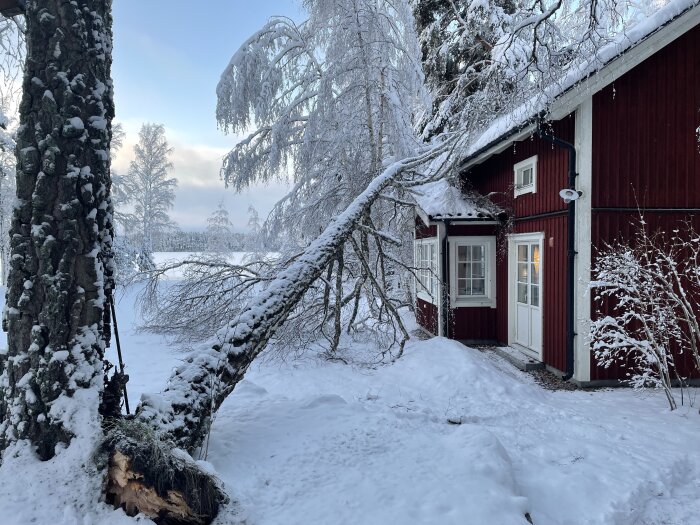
(461, 270)
(535, 295)
(522, 293)
(522, 272)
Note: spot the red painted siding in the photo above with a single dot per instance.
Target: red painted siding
(554, 283)
(427, 316)
(476, 230)
(496, 174)
(645, 150)
(473, 324)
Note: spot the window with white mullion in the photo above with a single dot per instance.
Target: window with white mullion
(525, 176)
(473, 270)
(426, 281)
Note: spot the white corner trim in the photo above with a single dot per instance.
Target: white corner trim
(582, 267)
(441, 233)
(523, 164)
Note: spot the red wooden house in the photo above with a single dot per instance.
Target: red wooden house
(621, 137)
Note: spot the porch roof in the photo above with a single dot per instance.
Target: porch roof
(440, 200)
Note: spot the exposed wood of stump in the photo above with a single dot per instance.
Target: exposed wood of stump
(127, 488)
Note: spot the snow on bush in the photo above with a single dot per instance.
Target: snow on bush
(648, 297)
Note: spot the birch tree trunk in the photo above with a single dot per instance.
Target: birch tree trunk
(60, 269)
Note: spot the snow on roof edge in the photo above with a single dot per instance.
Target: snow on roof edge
(506, 126)
(442, 200)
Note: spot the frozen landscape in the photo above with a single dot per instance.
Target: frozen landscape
(375, 262)
(308, 441)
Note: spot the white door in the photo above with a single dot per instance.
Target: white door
(528, 295)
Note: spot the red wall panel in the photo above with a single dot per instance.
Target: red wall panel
(496, 174)
(645, 149)
(427, 316)
(554, 268)
(473, 324)
(423, 231)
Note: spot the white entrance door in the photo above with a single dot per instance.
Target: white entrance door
(528, 295)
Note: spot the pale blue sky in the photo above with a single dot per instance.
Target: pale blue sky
(168, 57)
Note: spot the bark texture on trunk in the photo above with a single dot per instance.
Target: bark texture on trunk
(61, 236)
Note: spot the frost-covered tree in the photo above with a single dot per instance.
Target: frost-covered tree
(61, 275)
(7, 200)
(456, 39)
(219, 230)
(254, 236)
(12, 53)
(329, 100)
(149, 190)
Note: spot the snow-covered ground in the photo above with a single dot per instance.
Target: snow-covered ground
(316, 442)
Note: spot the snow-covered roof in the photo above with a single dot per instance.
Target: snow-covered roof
(441, 200)
(562, 96)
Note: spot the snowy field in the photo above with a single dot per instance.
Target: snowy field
(315, 442)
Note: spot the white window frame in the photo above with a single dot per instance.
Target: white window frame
(489, 298)
(518, 170)
(431, 293)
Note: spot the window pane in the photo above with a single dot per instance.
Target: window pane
(522, 253)
(536, 257)
(522, 272)
(535, 290)
(461, 287)
(478, 270)
(477, 253)
(462, 253)
(461, 270)
(522, 293)
(527, 177)
(479, 287)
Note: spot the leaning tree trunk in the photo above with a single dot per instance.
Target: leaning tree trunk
(183, 412)
(60, 269)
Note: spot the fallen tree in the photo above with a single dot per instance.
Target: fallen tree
(182, 412)
(180, 417)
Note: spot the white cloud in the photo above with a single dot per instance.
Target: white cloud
(200, 187)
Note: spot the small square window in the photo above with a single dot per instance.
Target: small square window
(525, 175)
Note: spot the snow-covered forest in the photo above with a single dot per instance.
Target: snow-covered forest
(360, 261)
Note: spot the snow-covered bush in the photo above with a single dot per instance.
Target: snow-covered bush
(648, 300)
